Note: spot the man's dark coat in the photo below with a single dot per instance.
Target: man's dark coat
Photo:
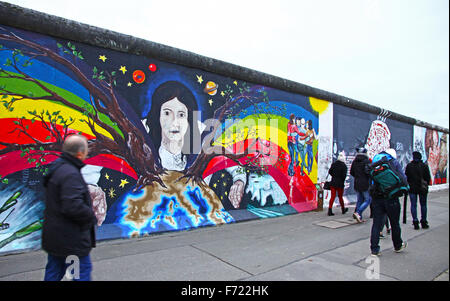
(69, 221)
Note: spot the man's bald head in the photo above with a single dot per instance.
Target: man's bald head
(77, 146)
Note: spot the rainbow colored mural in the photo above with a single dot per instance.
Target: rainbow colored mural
(170, 147)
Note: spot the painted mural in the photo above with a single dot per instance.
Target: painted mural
(354, 129)
(170, 147)
(434, 149)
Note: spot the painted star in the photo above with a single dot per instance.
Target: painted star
(107, 176)
(102, 58)
(111, 193)
(214, 185)
(123, 183)
(222, 93)
(123, 69)
(210, 102)
(199, 79)
(235, 82)
(129, 84)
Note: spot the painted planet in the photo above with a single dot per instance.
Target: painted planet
(152, 67)
(138, 76)
(211, 88)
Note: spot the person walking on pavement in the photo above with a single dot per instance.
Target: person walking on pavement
(383, 206)
(360, 171)
(338, 172)
(68, 232)
(386, 223)
(418, 175)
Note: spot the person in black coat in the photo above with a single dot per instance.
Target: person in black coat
(418, 175)
(68, 232)
(360, 172)
(338, 172)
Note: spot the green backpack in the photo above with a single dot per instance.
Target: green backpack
(387, 182)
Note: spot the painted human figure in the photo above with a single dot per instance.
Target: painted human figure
(432, 151)
(171, 125)
(301, 143)
(442, 168)
(292, 132)
(91, 175)
(310, 137)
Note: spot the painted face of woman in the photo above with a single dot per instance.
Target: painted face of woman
(174, 120)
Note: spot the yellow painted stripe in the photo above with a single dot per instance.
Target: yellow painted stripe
(274, 134)
(21, 108)
(318, 105)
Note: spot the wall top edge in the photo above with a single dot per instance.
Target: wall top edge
(28, 19)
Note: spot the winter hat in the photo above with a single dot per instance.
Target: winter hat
(417, 156)
(392, 152)
(361, 150)
(341, 157)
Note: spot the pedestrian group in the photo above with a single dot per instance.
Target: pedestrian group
(384, 205)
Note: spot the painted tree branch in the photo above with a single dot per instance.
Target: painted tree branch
(132, 147)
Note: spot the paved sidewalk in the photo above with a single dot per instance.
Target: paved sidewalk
(306, 246)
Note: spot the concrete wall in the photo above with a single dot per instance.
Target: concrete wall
(217, 154)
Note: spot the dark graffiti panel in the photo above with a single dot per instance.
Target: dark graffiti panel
(354, 129)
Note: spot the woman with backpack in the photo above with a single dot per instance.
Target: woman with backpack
(338, 172)
(418, 175)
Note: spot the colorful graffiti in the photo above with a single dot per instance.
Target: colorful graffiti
(434, 149)
(354, 129)
(170, 147)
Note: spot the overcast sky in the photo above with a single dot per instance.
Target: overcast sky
(393, 54)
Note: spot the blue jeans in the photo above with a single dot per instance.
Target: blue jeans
(423, 206)
(301, 151)
(363, 201)
(56, 268)
(309, 153)
(381, 208)
(292, 153)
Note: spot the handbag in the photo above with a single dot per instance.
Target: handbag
(327, 185)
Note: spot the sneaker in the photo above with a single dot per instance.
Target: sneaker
(357, 217)
(382, 236)
(376, 254)
(402, 248)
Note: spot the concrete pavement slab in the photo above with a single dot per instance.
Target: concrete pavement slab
(316, 268)
(423, 259)
(292, 247)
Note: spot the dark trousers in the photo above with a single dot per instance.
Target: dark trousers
(56, 268)
(381, 209)
(340, 193)
(423, 206)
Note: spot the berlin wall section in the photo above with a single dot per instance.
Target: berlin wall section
(177, 141)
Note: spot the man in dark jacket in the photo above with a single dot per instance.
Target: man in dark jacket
(360, 172)
(68, 232)
(418, 175)
(383, 206)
